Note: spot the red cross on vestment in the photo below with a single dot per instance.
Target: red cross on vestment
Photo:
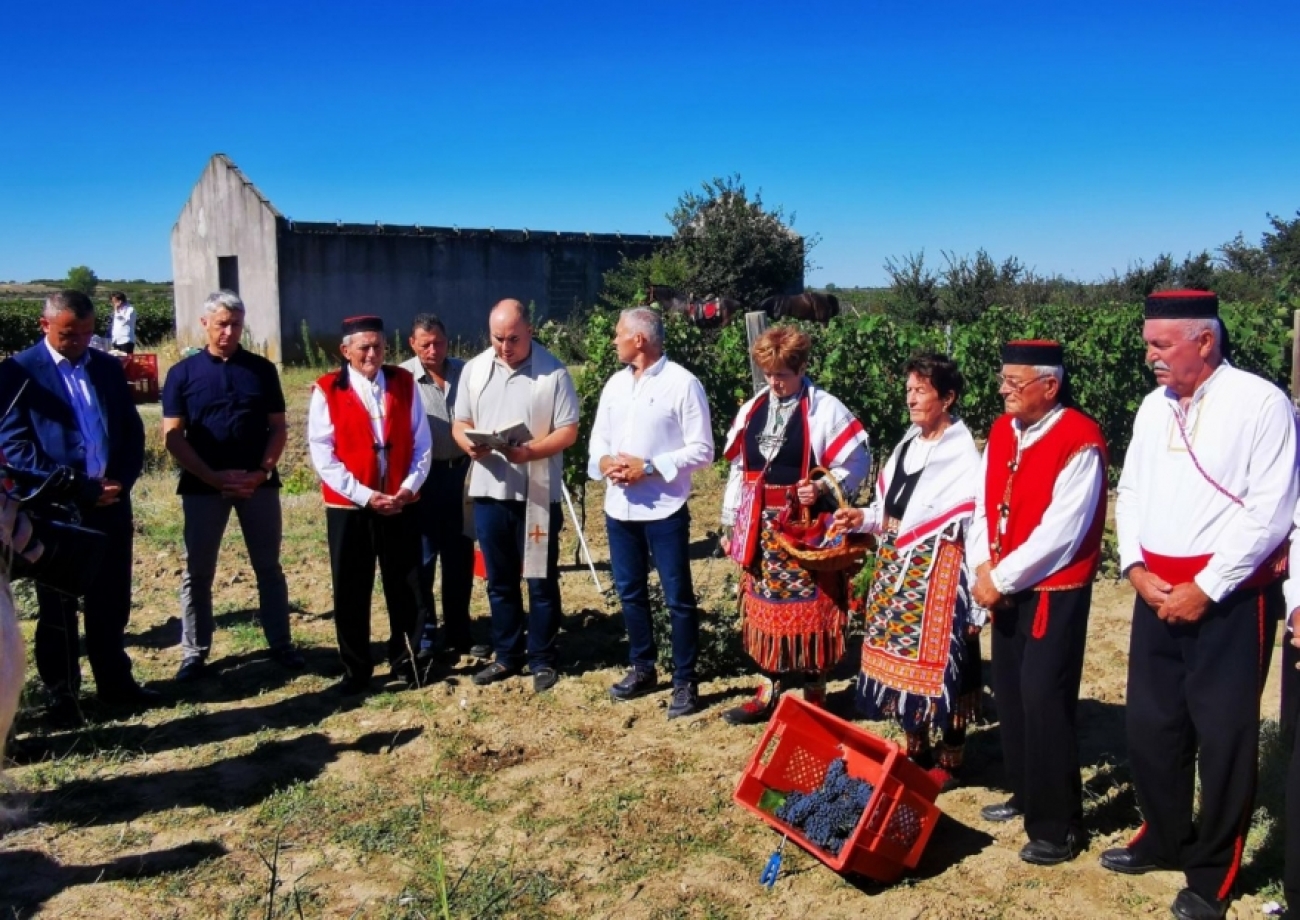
(537, 535)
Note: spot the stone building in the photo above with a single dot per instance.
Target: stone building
(300, 280)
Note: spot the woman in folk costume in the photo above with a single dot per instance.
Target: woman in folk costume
(920, 653)
(793, 619)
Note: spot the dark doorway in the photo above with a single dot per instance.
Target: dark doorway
(228, 273)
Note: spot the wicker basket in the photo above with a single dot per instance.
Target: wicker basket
(846, 551)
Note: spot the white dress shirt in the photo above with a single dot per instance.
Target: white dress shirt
(320, 438)
(1065, 523)
(661, 415)
(1242, 434)
(85, 404)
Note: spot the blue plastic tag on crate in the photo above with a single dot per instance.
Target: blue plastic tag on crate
(773, 867)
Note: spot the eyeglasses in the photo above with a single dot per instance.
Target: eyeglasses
(1017, 386)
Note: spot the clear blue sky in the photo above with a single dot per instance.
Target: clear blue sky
(1079, 137)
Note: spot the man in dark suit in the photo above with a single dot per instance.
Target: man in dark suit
(70, 406)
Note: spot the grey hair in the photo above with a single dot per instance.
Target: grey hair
(1194, 327)
(428, 322)
(75, 302)
(648, 322)
(1050, 370)
(223, 300)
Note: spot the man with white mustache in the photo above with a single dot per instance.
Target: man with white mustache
(1203, 510)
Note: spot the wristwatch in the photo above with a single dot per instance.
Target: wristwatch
(649, 466)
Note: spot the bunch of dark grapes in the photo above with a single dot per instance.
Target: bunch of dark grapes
(828, 814)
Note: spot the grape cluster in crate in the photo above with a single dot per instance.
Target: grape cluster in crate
(828, 814)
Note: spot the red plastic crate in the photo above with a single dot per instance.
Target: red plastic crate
(794, 754)
(142, 376)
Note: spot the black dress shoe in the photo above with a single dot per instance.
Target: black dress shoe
(1191, 906)
(1122, 859)
(131, 695)
(544, 679)
(288, 657)
(637, 682)
(492, 673)
(1045, 853)
(64, 711)
(190, 669)
(482, 650)
(1003, 811)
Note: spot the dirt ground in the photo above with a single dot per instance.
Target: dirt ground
(260, 793)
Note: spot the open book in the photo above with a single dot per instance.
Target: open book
(510, 436)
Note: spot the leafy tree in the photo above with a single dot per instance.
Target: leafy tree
(734, 246)
(914, 289)
(626, 285)
(81, 278)
(1197, 272)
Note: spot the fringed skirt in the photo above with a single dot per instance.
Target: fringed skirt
(792, 619)
(919, 666)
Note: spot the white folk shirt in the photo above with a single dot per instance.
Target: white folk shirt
(1242, 433)
(661, 415)
(85, 405)
(1065, 523)
(320, 438)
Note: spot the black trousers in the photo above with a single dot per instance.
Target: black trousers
(441, 513)
(107, 608)
(1193, 701)
(357, 538)
(1038, 649)
(1290, 720)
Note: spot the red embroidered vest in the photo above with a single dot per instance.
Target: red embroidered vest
(1020, 492)
(354, 437)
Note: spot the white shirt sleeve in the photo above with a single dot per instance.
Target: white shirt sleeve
(697, 434)
(422, 450)
(320, 441)
(598, 444)
(1059, 534)
(1291, 588)
(977, 535)
(1269, 505)
(731, 497)
(1127, 509)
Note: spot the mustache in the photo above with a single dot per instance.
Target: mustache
(1158, 365)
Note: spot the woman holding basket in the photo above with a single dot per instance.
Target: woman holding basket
(793, 617)
(920, 652)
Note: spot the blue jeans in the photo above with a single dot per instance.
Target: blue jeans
(517, 635)
(631, 546)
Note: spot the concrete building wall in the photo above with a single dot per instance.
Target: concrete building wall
(227, 229)
(328, 273)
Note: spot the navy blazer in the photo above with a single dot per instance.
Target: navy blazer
(40, 432)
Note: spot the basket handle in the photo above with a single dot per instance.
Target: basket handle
(834, 483)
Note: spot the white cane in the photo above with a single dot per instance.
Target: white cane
(582, 538)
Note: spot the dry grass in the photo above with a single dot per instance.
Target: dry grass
(257, 793)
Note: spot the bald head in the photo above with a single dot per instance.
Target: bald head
(511, 333)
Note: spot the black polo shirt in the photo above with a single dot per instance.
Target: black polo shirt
(225, 405)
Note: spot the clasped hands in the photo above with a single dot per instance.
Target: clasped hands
(623, 469)
(1185, 603)
(390, 504)
(232, 483)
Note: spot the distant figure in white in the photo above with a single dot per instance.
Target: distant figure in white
(15, 538)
